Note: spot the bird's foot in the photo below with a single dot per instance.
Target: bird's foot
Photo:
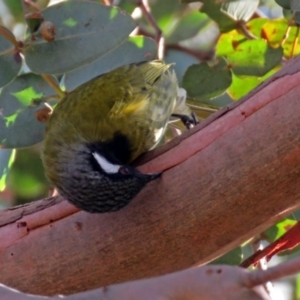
(188, 121)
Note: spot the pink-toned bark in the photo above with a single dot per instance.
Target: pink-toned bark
(224, 181)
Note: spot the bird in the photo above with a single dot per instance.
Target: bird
(100, 127)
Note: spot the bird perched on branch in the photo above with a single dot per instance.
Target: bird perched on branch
(100, 127)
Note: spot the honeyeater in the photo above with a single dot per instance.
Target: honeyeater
(97, 129)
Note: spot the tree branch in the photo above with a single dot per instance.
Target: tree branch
(224, 181)
(209, 283)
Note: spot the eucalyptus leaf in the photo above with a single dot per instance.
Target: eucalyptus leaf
(183, 61)
(287, 13)
(277, 230)
(214, 11)
(297, 17)
(254, 57)
(284, 3)
(80, 37)
(295, 5)
(164, 13)
(135, 49)
(19, 101)
(188, 26)
(234, 258)
(243, 84)
(274, 31)
(10, 59)
(7, 157)
(202, 81)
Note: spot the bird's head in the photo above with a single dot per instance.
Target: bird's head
(94, 177)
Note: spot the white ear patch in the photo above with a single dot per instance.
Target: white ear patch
(105, 165)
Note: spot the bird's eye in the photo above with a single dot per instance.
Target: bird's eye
(124, 171)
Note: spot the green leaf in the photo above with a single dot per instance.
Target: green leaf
(295, 5)
(183, 61)
(135, 49)
(164, 13)
(188, 26)
(31, 184)
(204, 82)
(254, 58)
(284, 3)
(274, 31)
(287, 13)
(240, 9)
(228, 42)
(128, 6)
(234, 257)
(221, 101)
(19, 101)
(279, 33)
(7, 157)
(226, 14)
(16, 10)
(242, 85)
(277, 230)
(297, 287)
(81, 37)
(295, 215)
(255, 26)
(297, 17)
(10, 59)
(213, 10)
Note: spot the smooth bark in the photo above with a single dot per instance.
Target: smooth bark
(224, 181)
(205, 283)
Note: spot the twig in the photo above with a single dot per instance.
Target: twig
(10, 37)
(262, 263)
(107, 2)
(144, 6)
(54, 85)
(242, 28)
(32, 5)
(201, 55)
(287, 241)
(288, 268)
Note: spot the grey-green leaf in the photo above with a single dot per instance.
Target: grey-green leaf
(234, 258)
(297, 17)
(86, 31)
(10, 59)
(204, 82)
(286, 4)
(135, 49)
(188, 27)
(213, 10)
(295, 5)
(19, 101)
(183, 61)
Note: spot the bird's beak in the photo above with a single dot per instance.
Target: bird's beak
(153, 176)
(148, 177)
